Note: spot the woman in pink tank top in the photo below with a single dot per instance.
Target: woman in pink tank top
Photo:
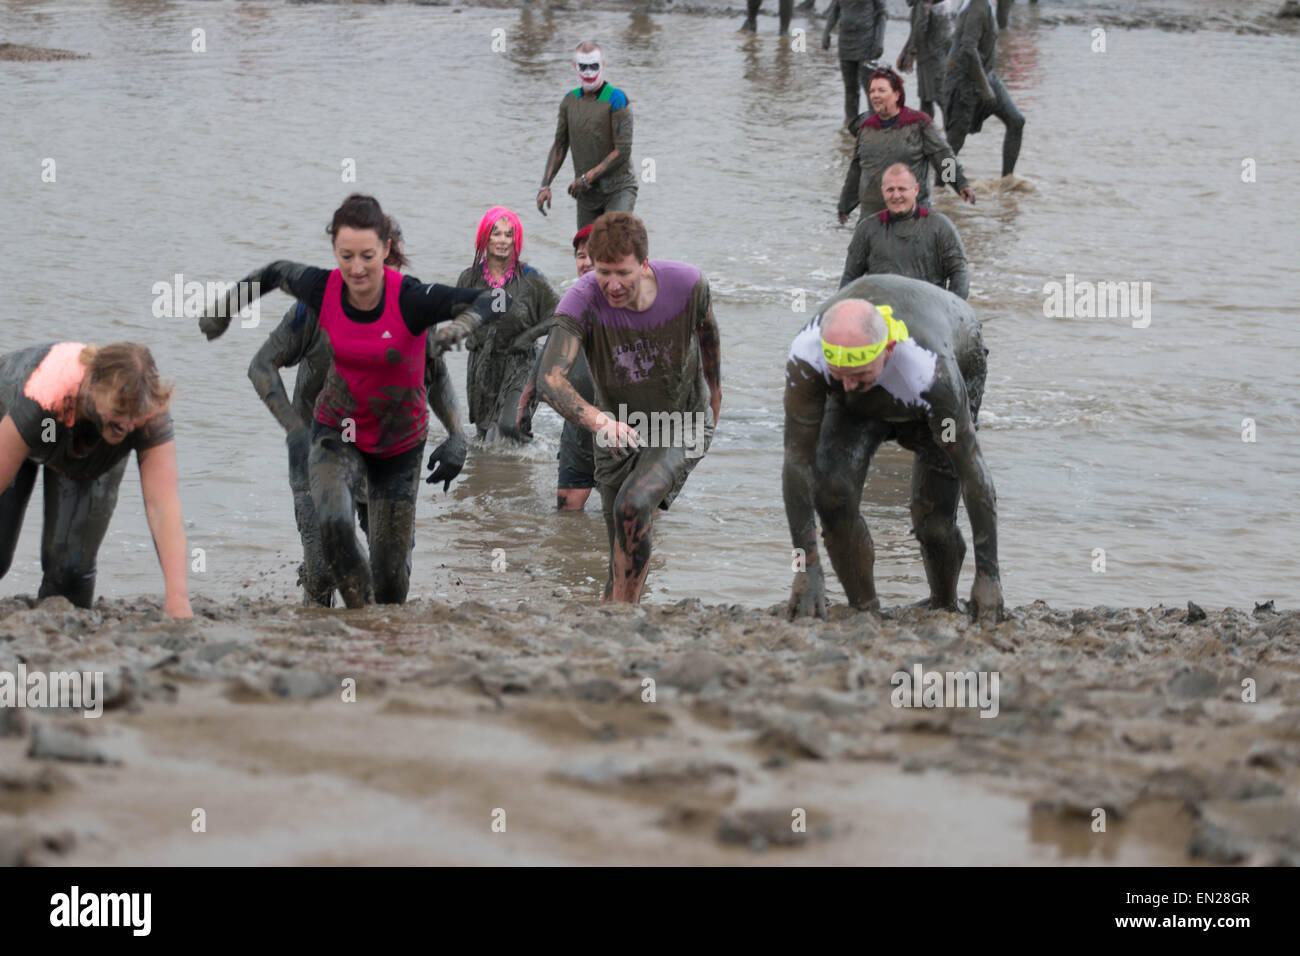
(370, 416)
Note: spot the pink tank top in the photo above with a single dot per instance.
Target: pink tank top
(381, 367)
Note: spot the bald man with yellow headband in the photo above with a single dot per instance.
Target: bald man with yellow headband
(888, 358)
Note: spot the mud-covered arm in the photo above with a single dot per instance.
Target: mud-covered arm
(832, 18)
(706, 331)
(920, 19)
(286, 345)
(954, 432)
(559, 148)
(424, 306)
(855, 263)
(553, 384)
(849, 197)
(805, 402)
(305, 283)
(968, 49)
(878, 30)
(442, 394)
(953, 255)
(947, 169)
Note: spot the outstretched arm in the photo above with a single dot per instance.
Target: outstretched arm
(305, 283)
(159, 485)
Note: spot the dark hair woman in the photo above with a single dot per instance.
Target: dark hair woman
(370, 415)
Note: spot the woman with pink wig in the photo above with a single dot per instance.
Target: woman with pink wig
(502, 353)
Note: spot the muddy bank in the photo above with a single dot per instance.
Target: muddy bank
(671, 734)
(20, 53)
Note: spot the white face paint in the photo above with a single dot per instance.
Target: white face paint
(590, 68)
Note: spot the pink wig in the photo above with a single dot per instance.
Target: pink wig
(490, 219)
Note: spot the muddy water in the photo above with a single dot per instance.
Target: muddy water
(1099, 435)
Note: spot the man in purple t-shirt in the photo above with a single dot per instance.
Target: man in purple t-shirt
(649, 337)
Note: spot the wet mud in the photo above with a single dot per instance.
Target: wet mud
(403, 734)
(21, 53)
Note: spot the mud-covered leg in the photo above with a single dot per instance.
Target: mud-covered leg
(935, 492)
(1015, 123)
(13, 505)
(844, 453)
(607, 495)
(634, 511)
(751, 16)
(785, 10)
(331, 493)
(393, 485)
(318, 586)
(77, 514)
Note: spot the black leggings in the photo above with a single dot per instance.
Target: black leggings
(77, 513)
(856, 73)
(392, 486)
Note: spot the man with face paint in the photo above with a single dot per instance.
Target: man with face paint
(888, 359)
(907, 239)
(648, 333)
(577, 458)
(596, 120)
(973, 91)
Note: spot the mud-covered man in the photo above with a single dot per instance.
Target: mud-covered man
(647, 330)
(596, 121)
(907, 239)
(888, 359)
(862, 43)
(973, 91)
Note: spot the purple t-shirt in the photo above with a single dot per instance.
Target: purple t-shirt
(649, 361)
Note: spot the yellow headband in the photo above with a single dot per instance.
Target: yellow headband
(847, 356)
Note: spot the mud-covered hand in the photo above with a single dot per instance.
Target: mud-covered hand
(543, 199)
(620, 438)
(986, 599)
(213, 326)
(524, 411)
(579, 186)
(447, 460)
(808, 594)
(905, 61)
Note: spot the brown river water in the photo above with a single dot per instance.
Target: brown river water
(511, 689)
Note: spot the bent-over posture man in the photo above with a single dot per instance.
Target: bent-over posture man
(647, 330)
(888, 359)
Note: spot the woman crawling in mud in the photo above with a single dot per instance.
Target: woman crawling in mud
(80, 410)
